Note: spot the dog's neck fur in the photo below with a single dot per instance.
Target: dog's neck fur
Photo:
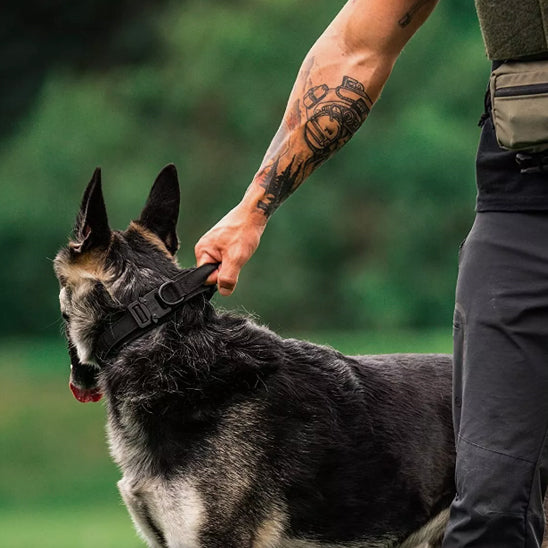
(187, 372)
(189, 352)
(184, 374)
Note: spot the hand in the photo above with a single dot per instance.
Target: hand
(231, 242)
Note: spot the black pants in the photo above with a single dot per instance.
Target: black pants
(501, 383)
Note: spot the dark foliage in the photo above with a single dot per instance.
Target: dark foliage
(39, 36)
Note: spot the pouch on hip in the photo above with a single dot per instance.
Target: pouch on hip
(519, 100)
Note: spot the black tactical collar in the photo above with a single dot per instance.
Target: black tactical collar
(153, 308)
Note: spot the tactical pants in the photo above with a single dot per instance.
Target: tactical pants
(500, 395)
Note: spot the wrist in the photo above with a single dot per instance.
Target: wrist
(249, 206)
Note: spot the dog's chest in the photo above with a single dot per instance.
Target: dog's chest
(129, 439)
(165, 515)
(126, 444)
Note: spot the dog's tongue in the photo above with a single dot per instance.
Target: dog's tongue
(86, 395)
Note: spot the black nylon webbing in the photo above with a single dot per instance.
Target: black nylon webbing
(153, 308)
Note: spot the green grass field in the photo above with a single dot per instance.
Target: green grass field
(57, 483)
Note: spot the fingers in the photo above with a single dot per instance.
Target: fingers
(231, 242)
(228, 277)
(203, 257)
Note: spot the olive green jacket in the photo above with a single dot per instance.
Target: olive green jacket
(514, 28)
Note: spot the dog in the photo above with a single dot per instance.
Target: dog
(229, 436)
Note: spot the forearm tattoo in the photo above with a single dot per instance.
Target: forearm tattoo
(328, 118)
(408, 17)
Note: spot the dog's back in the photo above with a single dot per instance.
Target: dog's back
(376, 440)
(282, 443)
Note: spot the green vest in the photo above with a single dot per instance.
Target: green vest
(513, 28)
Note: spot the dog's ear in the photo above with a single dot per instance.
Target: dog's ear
(161, 210)
(91, 229)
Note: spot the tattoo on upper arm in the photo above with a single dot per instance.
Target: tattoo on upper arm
(408, 17)
(332, 116)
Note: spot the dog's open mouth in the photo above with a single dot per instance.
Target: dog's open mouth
(85, 395)
(83, 383)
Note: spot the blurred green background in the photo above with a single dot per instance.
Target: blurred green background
(362, 257)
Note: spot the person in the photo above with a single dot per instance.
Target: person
(500, 402)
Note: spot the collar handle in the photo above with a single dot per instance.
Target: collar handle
(150, 309)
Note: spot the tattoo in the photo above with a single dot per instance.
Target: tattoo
(294, 117)
(333, 115)
(278, 187)
(408, 17)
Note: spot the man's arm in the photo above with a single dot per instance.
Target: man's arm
(339, 81)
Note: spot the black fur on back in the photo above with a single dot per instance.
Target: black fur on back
(356, 446)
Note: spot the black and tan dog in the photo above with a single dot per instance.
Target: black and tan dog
(229, 436)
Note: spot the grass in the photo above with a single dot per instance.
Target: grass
(348, 342)
(57, 483)
(98, 526)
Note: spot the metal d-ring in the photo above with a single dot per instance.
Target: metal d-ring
(163, 300)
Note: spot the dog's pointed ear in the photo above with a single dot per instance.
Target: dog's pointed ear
(91, 229)
(161, 210)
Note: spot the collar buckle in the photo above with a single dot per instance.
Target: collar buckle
(148, 309)
(140, 313)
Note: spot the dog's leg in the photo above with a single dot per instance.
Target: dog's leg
(269, 533)
(430, 535)
(141, 518)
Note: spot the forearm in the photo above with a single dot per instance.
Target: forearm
(328, 104)
(337, 85)
(340, 79)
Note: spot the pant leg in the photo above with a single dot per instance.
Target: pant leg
(500, 402)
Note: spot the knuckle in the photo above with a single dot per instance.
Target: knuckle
(198, 249)
(228, 281)
(238, 256)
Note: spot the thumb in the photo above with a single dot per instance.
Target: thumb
(227, 278)
(205, 258)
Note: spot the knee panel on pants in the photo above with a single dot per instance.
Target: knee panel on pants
(492, 483)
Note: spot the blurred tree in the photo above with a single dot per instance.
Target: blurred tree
(38, 36)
